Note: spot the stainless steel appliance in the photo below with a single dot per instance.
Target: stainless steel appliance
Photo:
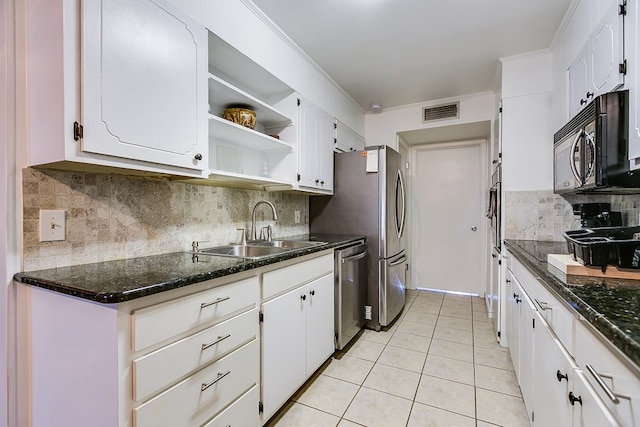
(494, 214)
(350, 292)
(590, 152)
(369, 199)
(493, 210)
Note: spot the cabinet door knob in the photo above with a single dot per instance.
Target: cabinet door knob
(561, 377)
(198, 156)
(589, 95)
(317, 181)
(312, 293)
(508, 280)
(573, 399)
(303, 297)
(322, 182)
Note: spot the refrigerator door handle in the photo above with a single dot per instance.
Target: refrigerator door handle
(401, 189)
(400, 260)
(395, 257)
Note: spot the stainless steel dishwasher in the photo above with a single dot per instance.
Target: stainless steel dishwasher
(350, 292)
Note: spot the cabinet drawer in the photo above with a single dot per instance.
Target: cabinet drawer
(187, 403)
(279, 281)
(154, 324)
(156, 370)
(242, 413)
(624, 383)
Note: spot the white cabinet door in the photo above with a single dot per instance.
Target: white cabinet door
(346, 139)
(512, 322)
(315, 148)
(526, 336)
(577, 83)
(283, 348)
(606, 53)
(144, 83)
(588, 408)
(553, 371)
(320, 322)
(632, 40)
(596, 69)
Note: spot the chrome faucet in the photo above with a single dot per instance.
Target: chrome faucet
(254, 234)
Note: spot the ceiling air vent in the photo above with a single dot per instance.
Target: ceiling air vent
(440, 112)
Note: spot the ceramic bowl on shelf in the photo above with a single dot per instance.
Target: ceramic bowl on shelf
(242, 116)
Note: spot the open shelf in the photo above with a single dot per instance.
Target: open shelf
(221, 129)
(223, 94)
(230, 179)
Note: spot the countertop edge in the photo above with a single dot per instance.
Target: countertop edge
(615, 337)
(35, 278)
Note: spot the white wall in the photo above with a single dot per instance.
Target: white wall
(4, 264)
(527, 135)
(382, 128)
(9, 210)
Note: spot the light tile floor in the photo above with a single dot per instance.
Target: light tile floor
(437, 365)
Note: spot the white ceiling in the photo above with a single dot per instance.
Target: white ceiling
(399, 52)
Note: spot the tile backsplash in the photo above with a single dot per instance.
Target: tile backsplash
(542, 215)
(115, 217)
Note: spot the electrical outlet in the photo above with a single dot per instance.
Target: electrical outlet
(296, 217)
(52, 225)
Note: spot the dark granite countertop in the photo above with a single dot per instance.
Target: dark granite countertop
(612, 306)
(122, 280)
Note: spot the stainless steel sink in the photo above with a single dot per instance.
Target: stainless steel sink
(243, 251)
(290, 244)
(258, 250)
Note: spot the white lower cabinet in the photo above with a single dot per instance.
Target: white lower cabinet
(554, 368)
(194, 400)
(297, 335)
(242, 413)
(191, 356)
(196, 357)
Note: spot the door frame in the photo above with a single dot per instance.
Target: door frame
(483, 226)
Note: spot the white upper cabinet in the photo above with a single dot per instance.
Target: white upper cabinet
(144, 82)
(262, 157)
(315, 148)
(117, 83)
(632, 29)
(600, 65)
(347, 139)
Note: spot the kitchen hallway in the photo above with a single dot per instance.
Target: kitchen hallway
(437, 365)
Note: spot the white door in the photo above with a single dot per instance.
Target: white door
(144, 83)
(448, 242)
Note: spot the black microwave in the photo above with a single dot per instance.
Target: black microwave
(590, 152)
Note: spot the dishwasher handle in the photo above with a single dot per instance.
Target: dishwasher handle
(355, 257)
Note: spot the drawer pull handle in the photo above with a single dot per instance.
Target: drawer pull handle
(561, 377)
(544, 306)
(610, 394)
(206, 346)
(220, 376)
(207, 304)
(573, 399)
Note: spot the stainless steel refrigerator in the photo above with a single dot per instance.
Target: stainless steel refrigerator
(369, 199)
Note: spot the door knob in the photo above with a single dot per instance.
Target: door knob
(474, 228)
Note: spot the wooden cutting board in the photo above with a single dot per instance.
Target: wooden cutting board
(567, 265)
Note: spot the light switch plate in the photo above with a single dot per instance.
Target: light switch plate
(296, 217)
(52, 225)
